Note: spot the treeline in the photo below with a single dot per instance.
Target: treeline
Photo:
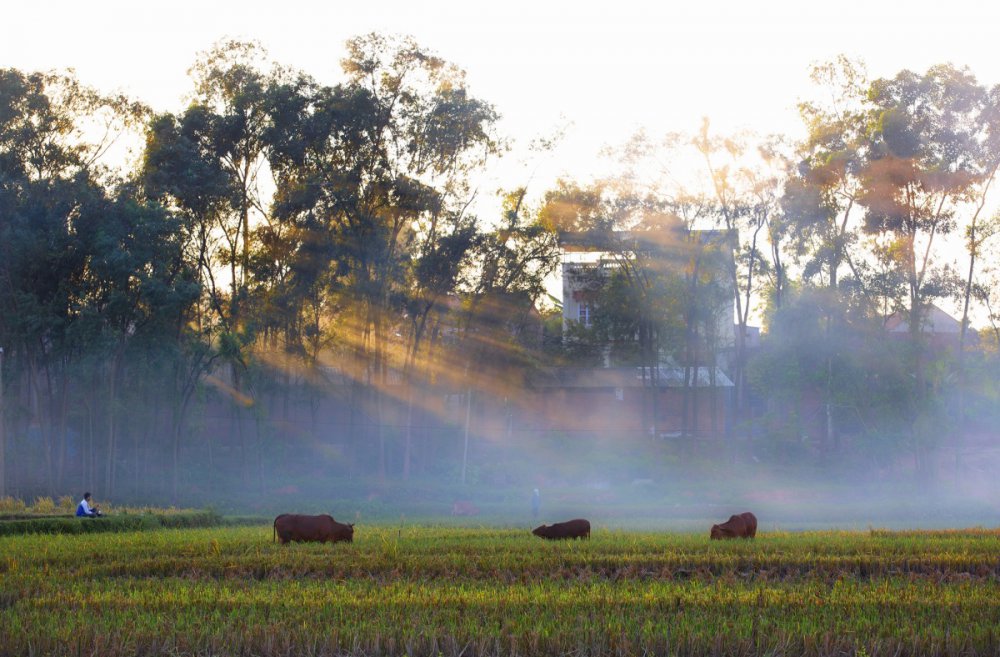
(276, 233)
(281, 240)
(841, 244)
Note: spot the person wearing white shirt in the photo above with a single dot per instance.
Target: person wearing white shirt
(85, 510)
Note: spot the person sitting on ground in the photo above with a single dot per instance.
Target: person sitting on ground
(86, 510)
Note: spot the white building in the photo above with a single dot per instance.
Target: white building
(588, 261)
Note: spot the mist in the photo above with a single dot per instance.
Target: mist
(306, 447)
(305, 312)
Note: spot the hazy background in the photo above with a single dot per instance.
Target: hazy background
(283, 437)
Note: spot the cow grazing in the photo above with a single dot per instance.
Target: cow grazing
(742, 526)
(578, 528)
(751, 521)
(322, 529)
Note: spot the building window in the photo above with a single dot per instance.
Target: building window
(585, 314)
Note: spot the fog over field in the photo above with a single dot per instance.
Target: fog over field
(617, 479)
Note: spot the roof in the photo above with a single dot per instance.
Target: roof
(936, 321)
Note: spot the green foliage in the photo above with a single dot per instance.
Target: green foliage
(817, 349)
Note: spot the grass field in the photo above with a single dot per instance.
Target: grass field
(459, 591)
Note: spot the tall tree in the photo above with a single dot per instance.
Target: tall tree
(821, 198)
(136, 287)
(742, 208)
(54, 133)
(921, 167)
(381, 165)
(212, 163)
(820, 201)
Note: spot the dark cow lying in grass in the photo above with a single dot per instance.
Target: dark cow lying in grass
(322, 529)
(578, 528)
(742, 526)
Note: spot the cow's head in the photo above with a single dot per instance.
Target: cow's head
(717, 533)
(541, 530)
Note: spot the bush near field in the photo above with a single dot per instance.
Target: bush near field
(124, 522)
(15, 508)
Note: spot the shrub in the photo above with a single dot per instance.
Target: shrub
(120, 523)
(43, 506)
(67, 504)
(11, 505)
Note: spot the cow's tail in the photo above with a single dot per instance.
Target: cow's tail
(274, 531)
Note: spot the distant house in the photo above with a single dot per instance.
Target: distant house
(590, 258)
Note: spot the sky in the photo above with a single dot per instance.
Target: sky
(600, 69)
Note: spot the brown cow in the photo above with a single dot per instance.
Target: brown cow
(578, 528)
(323, 528)
(742, 526)
(751, 521)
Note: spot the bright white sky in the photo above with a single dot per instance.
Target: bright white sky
(606, 68)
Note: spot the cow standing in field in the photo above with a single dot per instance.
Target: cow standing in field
(578, 528)
(322, 529)
(742, 526)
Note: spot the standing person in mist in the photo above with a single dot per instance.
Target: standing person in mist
(86, 509)
(536, 503)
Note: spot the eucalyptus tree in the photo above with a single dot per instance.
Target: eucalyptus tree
(744, 207)
(136, 290)
(977, 228)
(821, 197)
(493, 316)
(378, 171)
(231, 112)
(211, 164)
(821, 206)
(54, 134)
(503, 285)
(924, 164)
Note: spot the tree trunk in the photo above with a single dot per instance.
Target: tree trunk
(175, 444)
(40, 419)
(63, 412)
(960, 401)
(3, 434)
(258, 421)
(380, 431)
(409, 431)
(109, 481)
(468, 421)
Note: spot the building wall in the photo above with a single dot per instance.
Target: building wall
(575, 289)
